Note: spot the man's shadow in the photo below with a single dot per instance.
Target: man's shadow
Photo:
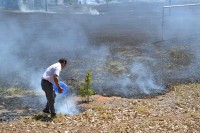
(42, 117)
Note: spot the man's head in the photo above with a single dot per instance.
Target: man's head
(63, 62)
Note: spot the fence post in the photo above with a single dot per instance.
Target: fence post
(46, 5)
(163, 10)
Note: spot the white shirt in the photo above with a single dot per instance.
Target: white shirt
(52, 70)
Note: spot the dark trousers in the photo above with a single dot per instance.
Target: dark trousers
(47, 87)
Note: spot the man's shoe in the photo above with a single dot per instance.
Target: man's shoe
(53, 115)
(46, 111)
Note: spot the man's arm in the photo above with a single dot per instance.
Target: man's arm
(55, 77)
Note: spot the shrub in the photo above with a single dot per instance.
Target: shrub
(86, 88)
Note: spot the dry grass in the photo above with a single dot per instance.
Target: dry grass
(179, 57)
(175, 112)
(143, 110)
(114, 67)
(13, 91)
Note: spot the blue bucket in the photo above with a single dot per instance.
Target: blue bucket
(64, 86)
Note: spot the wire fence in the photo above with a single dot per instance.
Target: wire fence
(169, 7)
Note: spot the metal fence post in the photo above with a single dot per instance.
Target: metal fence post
(46, 5)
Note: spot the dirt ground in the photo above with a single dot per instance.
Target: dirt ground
(175, 112)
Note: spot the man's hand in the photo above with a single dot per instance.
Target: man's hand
(60, 89)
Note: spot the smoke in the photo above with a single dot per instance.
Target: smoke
(181, 20)
(30, 42)
(66, 105)
(144, 78)
(138, 81)
(29, 45)
(180, 34)
(23, 7)
(9, 50)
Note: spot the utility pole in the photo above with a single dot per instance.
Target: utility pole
(163, 14)
(46, 5)
(170, 3)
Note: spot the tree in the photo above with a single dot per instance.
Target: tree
(86, 88)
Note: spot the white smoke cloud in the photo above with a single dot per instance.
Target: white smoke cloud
(66, 105)
(30, 42)
(29, 46)
(181, 21)
(144, 78)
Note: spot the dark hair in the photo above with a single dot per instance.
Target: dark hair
(63, 60)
